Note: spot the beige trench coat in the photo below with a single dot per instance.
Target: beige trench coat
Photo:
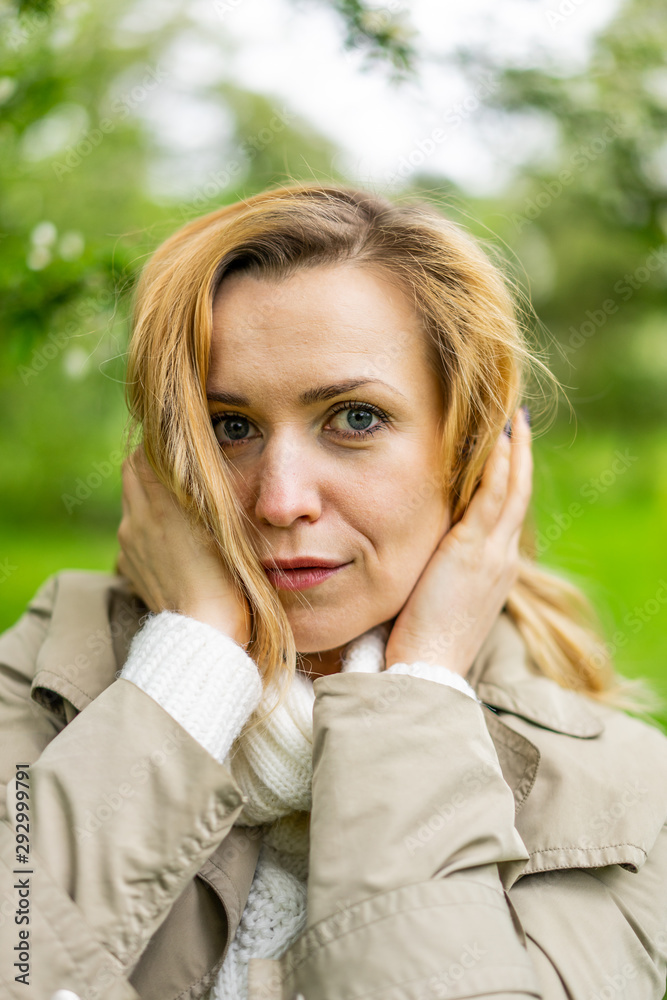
(520, 851)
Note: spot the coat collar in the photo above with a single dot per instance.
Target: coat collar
(93, 619)
(505, 678)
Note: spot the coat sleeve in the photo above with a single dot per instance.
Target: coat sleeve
(411, 817)
(117, 825)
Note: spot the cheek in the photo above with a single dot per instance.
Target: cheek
(404, 521)
(244, 483)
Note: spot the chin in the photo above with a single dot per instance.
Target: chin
(319, 643)
(320, 638)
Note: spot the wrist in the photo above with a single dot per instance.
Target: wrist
(434, 672)
(239, 632)
(428, 657)
(201, 677)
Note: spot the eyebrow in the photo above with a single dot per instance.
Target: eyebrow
(318, 394)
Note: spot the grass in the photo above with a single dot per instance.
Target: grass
(614, 544)
(30, 555)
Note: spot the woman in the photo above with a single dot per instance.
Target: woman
(329, 732)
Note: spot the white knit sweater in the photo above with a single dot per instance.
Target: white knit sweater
(209, 684)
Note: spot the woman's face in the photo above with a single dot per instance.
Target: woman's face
(327, 408)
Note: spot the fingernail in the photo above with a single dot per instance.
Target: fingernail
(526, 413)
(508, 428)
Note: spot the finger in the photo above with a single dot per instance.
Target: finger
(138, 456)
(143, 467)
(485, 507)
(137, 462)
(124, 496)
(122, 565)
(136, 481)
(520, 483)
(133, 495)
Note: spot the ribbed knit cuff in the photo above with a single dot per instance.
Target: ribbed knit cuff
(434, 672)
(203, 678)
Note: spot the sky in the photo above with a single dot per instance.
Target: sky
(293, 50)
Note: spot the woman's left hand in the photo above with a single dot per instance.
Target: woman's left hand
(465, 584)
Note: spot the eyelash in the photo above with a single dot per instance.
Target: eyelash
(217, 418)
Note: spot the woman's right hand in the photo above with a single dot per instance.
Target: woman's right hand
(171, 565)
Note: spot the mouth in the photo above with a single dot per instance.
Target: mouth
(302, 573)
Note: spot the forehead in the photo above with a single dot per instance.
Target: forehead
(320, 318)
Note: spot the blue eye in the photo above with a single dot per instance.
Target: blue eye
(358, 417)
(359, 420)
(237, 427)
(357, 423)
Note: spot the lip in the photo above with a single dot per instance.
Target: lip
(298, 562)
(301, 577)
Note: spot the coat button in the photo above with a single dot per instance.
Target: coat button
(65, 995)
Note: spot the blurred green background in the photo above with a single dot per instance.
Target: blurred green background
(93, 180)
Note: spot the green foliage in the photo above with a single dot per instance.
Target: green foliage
(588, 222)
(73, 159)
(382, 33)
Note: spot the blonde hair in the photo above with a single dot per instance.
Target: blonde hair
(479, 347)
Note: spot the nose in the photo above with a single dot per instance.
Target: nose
(287, 483)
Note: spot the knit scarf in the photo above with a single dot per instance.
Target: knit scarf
(273, 765)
